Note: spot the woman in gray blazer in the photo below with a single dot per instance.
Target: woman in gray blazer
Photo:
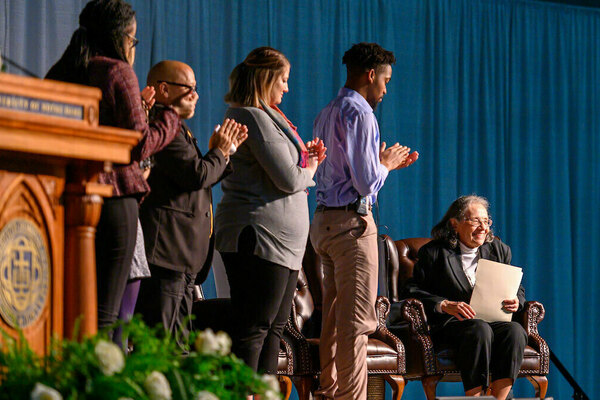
(262, 221)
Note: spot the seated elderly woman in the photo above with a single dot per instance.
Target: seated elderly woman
(443, 280)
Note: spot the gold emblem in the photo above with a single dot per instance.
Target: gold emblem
(24, 273)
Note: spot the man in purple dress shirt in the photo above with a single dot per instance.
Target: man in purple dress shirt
(343, 231)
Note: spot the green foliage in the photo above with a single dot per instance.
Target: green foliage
(75, 369)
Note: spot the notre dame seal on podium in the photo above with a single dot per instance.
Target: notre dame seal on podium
(24, 273)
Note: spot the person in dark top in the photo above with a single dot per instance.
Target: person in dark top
(177, 216)
(443, 280)
(101, 54)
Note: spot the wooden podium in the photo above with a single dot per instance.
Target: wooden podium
(51, 151)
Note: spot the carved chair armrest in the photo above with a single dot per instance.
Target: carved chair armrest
(293, 339)
(532, 314)
(412, 329)
(289, 354)
(382, 309)
(297, 345)
(292, 332)
(413, 313)
(384, 335)
(409, 315)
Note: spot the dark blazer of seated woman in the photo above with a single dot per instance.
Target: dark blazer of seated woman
(443, 280)
(438, 275)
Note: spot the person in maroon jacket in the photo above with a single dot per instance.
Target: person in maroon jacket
(101, 54)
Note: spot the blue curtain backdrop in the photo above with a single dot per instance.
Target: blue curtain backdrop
(501, 98)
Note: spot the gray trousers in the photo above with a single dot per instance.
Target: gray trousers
(166, 298)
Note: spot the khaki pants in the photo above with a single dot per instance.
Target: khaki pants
(347, 244)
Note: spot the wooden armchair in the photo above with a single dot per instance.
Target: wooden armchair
(385, 352)
(424, 361)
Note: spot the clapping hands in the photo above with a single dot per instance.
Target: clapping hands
(396, 156)
(148, 99)
(316, 154)
(316, 149)
(228, 136)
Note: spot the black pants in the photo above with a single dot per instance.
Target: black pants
(115, 243)
(261, 297)
(483, 348)
(166, 298)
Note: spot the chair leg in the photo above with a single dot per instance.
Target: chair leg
(430, 384)
(397, 384)
(285, 385)
(304, 386)
(540, 385)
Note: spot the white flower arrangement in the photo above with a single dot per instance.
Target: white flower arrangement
(43, 392)
(271, 395)
(273, 389)
(110, 357)
(93, 368)
(157, 386)
(206, 395)
(207, 342)
(223, 343)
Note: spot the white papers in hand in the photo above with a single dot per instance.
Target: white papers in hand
(494, 282)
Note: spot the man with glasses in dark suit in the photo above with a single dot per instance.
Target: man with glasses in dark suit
(177, 217)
